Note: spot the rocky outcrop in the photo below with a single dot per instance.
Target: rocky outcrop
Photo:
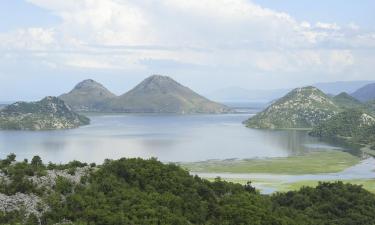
(27, 203)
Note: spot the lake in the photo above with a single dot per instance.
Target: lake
(170, 138)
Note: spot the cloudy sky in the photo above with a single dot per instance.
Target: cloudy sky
(47, 46)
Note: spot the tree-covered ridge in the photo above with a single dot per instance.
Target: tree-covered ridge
(353, 125)
(48, 114)
(136, 191)
(301, 108)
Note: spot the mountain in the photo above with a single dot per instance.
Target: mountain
(344, 100)
(161, 94)
(352, 123)
(300, 108)
(337, 87)
(365, 93)
(48, 114)
(239, 94)
(89, 96)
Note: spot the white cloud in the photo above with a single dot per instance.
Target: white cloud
(115, 34)
(327, 26)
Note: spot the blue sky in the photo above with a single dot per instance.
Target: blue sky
(48, 46)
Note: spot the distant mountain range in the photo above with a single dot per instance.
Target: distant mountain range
(335, 88)
(366, 93)
(233, 94)
(48, 114)
(156, 94)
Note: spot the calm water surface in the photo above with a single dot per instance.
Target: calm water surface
(174, 138)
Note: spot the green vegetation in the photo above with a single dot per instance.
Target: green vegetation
(344, 100)
(352, 125)
(368, 184)
(136, 191)
(282, 186)
(300, 108)
(48, 114)
(310, 163)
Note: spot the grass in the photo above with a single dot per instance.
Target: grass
(368, 184)
(368, 150)
(310, 163)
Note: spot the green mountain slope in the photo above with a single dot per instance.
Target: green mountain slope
(161, 94)
(301, 108)
(350, 124)
(89, 96)
(48, 114)
(344, 100)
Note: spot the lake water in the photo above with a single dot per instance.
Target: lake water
(175, 138)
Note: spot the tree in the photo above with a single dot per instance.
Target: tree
(36, 161)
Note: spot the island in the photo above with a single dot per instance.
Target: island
(50, 113)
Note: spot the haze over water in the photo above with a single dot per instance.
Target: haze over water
(170, 138)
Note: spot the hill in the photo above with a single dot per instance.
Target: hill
(88, 96)
(352, 124)
(301, 108)
(137, 191)
(48, 114)
(365, 93)
(161, 94)
(344, 100)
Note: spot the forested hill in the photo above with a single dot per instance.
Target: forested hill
(136, 191)
(354, 125)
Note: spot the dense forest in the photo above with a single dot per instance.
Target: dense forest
(137, 191)
(352, 125)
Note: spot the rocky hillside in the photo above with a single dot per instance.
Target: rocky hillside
(161, 94)
(301, 108)
(48, 114)
(365, 93)
(88, 96)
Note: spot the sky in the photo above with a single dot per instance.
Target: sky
(47, 46)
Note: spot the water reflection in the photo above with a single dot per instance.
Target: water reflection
(167, 137)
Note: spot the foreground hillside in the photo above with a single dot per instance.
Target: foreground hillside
(136, 191)
(301, 108)
(47, 114)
